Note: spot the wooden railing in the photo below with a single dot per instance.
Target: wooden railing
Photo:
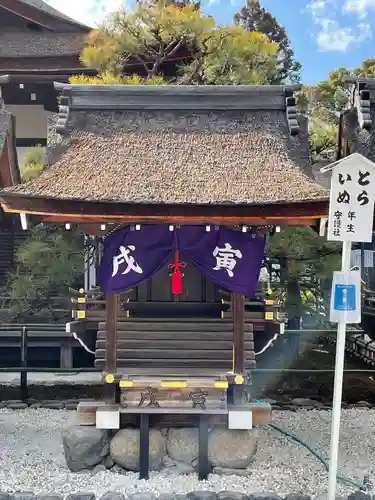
(89, 309)
(90, 306)
(44, 336)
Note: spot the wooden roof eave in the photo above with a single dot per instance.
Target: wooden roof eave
(34, 15)
(79, 211)
(60, 75)
(12, 173)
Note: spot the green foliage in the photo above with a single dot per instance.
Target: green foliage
(48, 262)
(33, 163)
(302, 250)
(323, 124)
(324, 102)
(255, 18)
(108, 78)
(367, 68)
(307, 262)
(322, 139)
(151, 33)
(156, 32)
(330, 97)
(231, 56)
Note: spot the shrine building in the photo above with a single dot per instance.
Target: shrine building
(181, 183)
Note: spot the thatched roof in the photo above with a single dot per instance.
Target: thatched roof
(48, 9)
(47, 44)
(178, 145)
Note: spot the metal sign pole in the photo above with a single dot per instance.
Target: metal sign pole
(337, 388)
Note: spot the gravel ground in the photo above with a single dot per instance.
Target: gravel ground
(31, 457)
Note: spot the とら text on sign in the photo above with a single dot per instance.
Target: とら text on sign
(352, 199)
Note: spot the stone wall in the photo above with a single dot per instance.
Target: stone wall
(194, 495)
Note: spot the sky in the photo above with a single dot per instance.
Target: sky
(325, 34)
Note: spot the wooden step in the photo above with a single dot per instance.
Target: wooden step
(178, 326)
(183, 344)
(174, 335)
(177, 306)
(167, 371)
(177, 354)
(172, 365)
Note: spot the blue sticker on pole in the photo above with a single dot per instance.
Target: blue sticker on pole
(345, 304)
(345, 297)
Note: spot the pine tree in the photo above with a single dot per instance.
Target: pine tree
(47, 263)
(253, 17)
(156, 32)
(307, 262)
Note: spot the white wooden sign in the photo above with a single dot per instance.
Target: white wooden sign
(368, 258)
(352, 197)
(355, 260)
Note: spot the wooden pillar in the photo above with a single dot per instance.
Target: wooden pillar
(144, 446)
(238, 308)
(203, 463)
(110, 367)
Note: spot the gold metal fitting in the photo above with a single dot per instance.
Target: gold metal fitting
(222, 384)
(109, 378)
(126, 383)
(173, 384)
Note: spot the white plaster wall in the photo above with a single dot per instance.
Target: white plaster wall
(31, 121)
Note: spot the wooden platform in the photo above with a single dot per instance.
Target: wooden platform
(86, 411)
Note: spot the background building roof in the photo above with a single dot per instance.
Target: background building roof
(48, 9)
(47, 44)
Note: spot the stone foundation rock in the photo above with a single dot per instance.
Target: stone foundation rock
(226, 449)
(85, 447)
(231, 449)
(124, 449)
(177, 450)
(182, 444)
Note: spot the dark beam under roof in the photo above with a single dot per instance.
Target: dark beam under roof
(101, 211)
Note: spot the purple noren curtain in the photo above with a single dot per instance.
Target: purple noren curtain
(230, 258)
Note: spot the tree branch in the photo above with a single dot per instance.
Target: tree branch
(144, 64)
(175, 49)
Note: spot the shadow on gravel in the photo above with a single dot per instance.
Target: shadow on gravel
(53, 393)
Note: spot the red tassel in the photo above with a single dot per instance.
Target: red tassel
(177, 282)
(177, 275)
